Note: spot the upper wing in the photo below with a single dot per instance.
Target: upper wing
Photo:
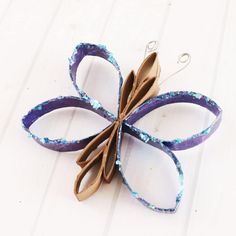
(86, 49)
(180, 97)
(62, 145)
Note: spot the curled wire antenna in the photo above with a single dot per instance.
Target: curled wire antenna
(151, 46)
(183, 61)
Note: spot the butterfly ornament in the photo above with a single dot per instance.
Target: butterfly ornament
(137, 96)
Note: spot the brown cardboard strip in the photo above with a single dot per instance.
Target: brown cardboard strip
(135, 91)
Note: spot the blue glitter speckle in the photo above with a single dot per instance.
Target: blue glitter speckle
(111, 59)
(118, 162)
(144, 137)
(152, 206)
(95, 104)
(197, 95)
(178, 140)
(38, 108)
(206, 131)
(44, 140)
(62, 141)
(179, 196)
(135, 194)
(101, 46)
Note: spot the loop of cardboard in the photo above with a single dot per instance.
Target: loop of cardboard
(180, 97)
(157, 144)
(61, 144)
(110, 155)
(87, 49)
(93, 186)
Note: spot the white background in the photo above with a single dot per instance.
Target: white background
(36, 39)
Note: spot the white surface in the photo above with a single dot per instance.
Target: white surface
(37, 37)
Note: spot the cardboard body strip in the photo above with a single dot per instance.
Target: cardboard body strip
(137, 97)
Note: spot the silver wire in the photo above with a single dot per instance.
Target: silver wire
(184, 59)
(151, 46)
